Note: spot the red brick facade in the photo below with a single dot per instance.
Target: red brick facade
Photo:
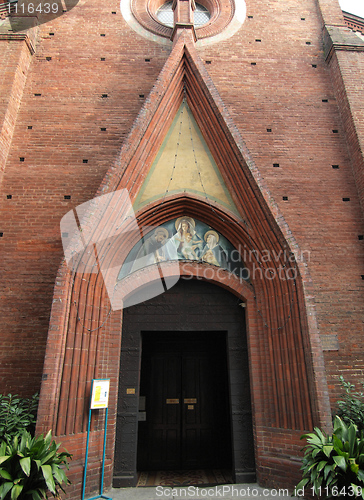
(85, 105)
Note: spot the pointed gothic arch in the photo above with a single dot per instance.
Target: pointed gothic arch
(288, 379)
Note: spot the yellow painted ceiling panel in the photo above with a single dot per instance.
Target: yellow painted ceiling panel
(184, 164)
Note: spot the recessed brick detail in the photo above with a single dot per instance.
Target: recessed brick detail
(330, 342)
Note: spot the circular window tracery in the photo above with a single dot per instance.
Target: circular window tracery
(211, 17)
(165, 15)
(201, 15)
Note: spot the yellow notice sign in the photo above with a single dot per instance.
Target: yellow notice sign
(100, 394)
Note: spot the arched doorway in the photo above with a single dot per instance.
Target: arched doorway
(184, 353)
(289, 389)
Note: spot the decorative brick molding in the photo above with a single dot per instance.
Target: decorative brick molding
(20, 37)
(355, 23)
(338, 38)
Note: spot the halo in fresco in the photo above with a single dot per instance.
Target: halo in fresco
(184, 239)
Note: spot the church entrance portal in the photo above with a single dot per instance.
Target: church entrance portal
(184, 390)
(184, 395)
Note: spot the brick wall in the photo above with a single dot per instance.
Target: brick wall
(293, 91)
(66, 122)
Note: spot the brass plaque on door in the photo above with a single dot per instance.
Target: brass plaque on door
(190, 407)
(190, 401)
(172, 401)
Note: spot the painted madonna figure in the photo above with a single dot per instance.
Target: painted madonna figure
(158, 246)
(188, 243)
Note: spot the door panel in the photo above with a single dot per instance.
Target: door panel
(197, 419)
(190, 306)
(163, 415)
(184, 379)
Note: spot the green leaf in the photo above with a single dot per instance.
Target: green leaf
(19, 478)
(352, 439)
(35, 494)
(356, 489)
(320, 434)
(315, 440)
(341, 462)
(354, 468)
(5, 474)
(48, 438)
(47, 474)
(4, 489)
(301, 484)
(25, 465)
(15, 491)
(321, 465)
(48, 457)
(15, 442)
(329, 468)
(25, 438)
(59, 474)
(311, 466)
(361, 475)
(327, 449)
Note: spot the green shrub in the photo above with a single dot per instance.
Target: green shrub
(30, 467)
(17, 414)
(351, 407)
(333, 466)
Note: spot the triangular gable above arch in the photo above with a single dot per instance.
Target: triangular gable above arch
(184, 164)
(261, 227)
(183, 78)
(281, 322)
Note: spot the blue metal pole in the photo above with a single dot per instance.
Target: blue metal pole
(103, 455)
(87, 442)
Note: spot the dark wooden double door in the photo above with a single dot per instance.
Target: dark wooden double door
(184, 391)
